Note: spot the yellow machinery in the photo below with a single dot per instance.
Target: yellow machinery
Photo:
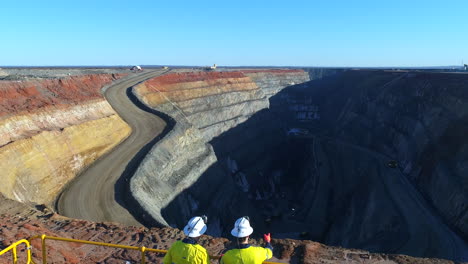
(13, 248)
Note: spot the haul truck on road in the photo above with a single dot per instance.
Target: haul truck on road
(136, 68)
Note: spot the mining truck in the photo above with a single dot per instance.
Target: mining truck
(136, 68)
(392, 164)
(211, 68)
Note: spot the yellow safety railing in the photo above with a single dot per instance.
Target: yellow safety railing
(143, 250)
(13, 247)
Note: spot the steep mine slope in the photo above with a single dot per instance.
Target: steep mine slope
(419, 120)
(92, 195)
(203, 105)
(368, 118)
(332, 183)
(52, 127)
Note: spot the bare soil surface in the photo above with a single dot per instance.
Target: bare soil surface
(20, 221)
(51, 73)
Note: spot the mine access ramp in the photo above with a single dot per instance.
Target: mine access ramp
(27, 250)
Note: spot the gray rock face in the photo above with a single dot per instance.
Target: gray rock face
(171, 166)
(415, 120)
(215, 114)
(176, 162)
(419, 120)
(317, 165)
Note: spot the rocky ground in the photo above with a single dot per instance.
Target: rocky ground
(28, 73)
(19, 221)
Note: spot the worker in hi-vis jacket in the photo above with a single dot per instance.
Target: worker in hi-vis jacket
(244, 253)
(188, 251)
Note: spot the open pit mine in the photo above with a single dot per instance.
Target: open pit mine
(341, 166)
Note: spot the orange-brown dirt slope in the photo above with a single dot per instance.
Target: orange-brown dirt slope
(50, 129)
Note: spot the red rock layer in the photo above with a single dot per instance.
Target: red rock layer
(178, 87)
(28, 96)
(193, 77)
(190, 85)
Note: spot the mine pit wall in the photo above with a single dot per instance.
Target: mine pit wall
(339, 190)
(417, 119)
(204, 105)
(51, 129)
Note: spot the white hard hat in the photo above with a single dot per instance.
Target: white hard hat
(195, 227)
(242, 227)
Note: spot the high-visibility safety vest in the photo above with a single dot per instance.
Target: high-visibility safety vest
(249, 255)
(186, 253)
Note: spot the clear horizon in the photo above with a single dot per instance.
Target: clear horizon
(270, 33)
(230, 66)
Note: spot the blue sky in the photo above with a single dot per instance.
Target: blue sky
(276, 33)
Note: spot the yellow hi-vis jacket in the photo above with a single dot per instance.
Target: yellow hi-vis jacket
(186, 253)
(248, 255)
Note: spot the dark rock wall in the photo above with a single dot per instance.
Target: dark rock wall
(332, 182)
(417, 119)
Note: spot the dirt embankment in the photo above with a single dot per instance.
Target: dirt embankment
(54, 128)
(27, 222)
(30, 96)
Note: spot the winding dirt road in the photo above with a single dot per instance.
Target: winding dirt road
(92, 194)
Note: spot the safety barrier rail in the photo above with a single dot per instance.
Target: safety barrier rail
(13, 247)
(143, 250)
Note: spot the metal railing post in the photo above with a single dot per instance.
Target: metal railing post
(28, 249)
(44, 252)
(15, 257)
(143, 257)
(14, 251)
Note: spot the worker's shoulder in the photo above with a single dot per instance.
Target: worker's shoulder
(257, 249)
(256, 246)
(197, 247)
(178, 243)
(250, 248)
(229, 251)
(182, 244)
